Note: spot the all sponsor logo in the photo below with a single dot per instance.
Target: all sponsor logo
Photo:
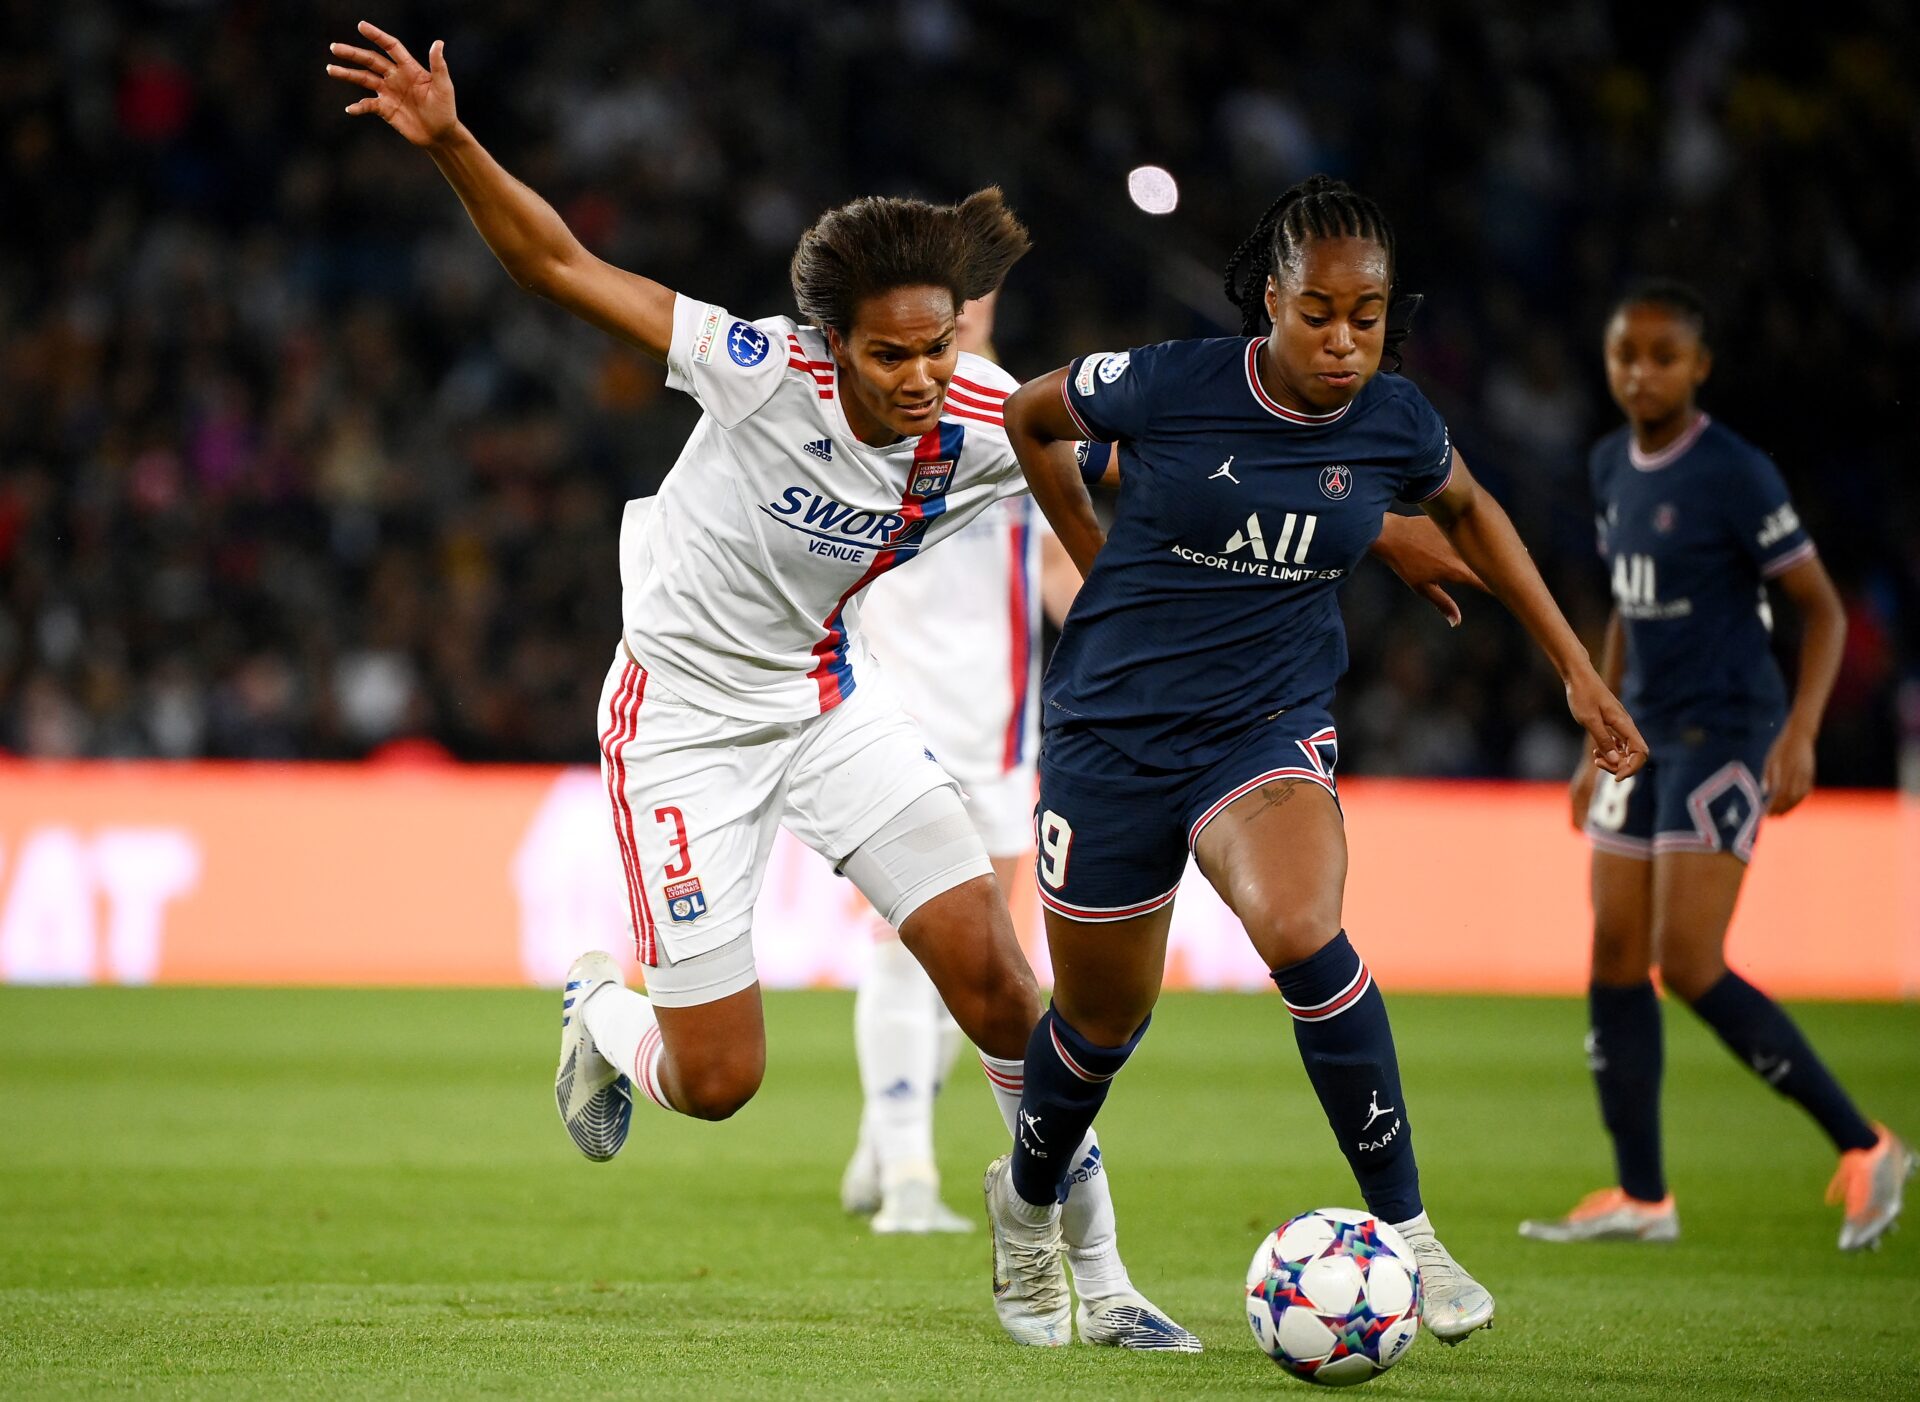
(1336, 481)
(747, 344)
(685, 902)
(709, 333)
(1282, 559)
(930, 479)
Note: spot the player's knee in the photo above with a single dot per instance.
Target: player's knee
(1688, 967)
(719, 1087)
(1690, 974)
(1289, 930)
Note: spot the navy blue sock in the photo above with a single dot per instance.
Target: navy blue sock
(1758, 1031)
(1625, 1050)
(1067, 1080)
(1340, 1022)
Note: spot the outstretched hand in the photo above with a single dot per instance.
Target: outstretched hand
(1617, 746)
(416, 102)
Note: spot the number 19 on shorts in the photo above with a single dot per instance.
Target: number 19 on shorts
(1055, 838)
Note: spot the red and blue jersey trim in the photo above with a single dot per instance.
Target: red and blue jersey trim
(832, 674)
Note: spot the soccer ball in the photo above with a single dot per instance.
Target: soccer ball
(1333, 1296)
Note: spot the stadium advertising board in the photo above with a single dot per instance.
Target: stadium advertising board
(325, 874)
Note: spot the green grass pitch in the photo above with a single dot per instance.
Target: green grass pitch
(218, 1194)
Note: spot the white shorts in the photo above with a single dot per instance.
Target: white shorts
(698, 797)
(1002, 811)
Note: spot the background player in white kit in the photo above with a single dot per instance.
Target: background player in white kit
(740, 697)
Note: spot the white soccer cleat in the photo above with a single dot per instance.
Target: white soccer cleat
(1610, 1215)
(595, 1098)
(1029, 1268)
(860, 1181)
(1872, 1183)
(1132, 1321)
(913, 1208)
(1452, 1303)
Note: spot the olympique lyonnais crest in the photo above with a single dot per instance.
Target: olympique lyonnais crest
(1336, 480)
(685, 901)
(930, 479)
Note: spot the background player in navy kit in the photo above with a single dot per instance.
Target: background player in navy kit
(1186, 706)
(1693, 521)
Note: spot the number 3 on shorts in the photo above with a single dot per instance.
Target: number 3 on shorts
(682, 862)
(1056, 837)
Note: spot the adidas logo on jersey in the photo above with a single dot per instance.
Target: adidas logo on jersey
(821, 449)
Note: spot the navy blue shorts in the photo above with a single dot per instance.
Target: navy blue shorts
(1113, 836)
(1698, 793)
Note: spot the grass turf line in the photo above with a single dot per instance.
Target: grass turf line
(229, 1193)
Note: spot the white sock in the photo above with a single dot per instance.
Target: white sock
(896, 1039)
(1086, 1222)
(627, 1033)
(1413, 1227)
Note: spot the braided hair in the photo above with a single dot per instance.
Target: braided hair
(1319, 207)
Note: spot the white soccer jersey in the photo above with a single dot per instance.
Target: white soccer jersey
(957, 635)
(738, 586)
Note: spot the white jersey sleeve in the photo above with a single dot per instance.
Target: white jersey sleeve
(730, 367)
(977, 395)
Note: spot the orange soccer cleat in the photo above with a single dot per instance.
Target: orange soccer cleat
(1610, 1215)
(1871, 1182)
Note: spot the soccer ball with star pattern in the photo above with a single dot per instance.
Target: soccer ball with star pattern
(1333, 1296)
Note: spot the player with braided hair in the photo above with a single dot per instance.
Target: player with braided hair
(1186, 708)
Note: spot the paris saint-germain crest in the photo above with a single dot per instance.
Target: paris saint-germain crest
(1336, 481)
(930, 479)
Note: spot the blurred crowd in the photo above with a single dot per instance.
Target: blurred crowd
(288, 467)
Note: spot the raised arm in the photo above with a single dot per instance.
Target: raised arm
(1038, 424)
(1486, 540)
(529, 238)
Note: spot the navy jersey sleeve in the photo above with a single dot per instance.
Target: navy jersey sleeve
(1597, 485)
(1110, 393)
(1430, 463)
(1762, 516)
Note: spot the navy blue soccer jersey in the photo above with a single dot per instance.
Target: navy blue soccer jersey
(1690, 535)
(1215, 601)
